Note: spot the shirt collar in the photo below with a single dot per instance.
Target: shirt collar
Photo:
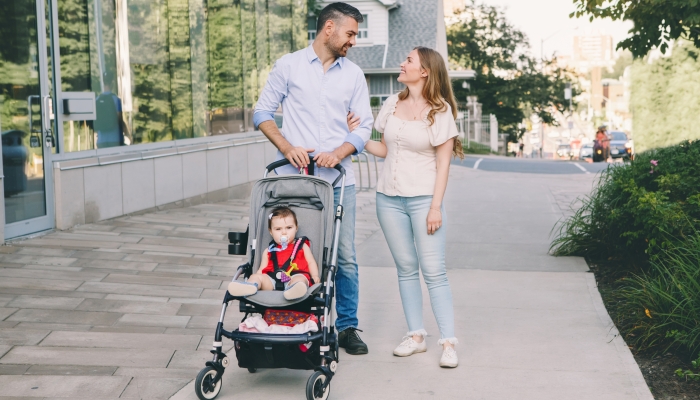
(311, 56)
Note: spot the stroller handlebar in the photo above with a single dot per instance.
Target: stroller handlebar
(312, 164)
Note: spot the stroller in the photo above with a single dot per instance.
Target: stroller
(311, 198)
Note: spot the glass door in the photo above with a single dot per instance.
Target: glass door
(25, 118)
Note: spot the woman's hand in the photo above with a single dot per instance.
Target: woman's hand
(353, 121)
(434, 220)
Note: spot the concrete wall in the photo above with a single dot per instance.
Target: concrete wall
(191, 172)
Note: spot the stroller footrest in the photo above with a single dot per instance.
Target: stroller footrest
(250, 337)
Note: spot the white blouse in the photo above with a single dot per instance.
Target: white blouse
(410, 167)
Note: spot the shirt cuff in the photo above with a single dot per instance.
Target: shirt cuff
(261, 116)
(356, 141)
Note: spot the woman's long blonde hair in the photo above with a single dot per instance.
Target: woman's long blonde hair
(437, 90)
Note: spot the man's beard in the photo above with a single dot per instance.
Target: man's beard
(336, 51)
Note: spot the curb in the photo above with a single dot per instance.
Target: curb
(613, 335)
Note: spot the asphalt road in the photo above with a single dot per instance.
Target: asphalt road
(530, 165)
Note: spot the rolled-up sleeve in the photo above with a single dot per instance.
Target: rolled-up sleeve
(272, 95)
(359, 104)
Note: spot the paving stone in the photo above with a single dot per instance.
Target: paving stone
(17, 291)
(144, 231)
(183, 269)
(189, 359)
(163, 281)
(6, 298)
(115, 264)
(45, 251)
(12, 369)
(102, 238)
(218, 245)
(65, 317)
(121, 340)
(213, 294)
(132, 307)
(169, 249)
(128, 329)
(200, 236)
(8, 324)
(73, 244)
(8, 249)
(70, 370)
(137, 298)
(11, 265)
(196, 301)
(200, 310)
(154, 357)
(52, 327)
(17, 284)
(198, 321)
(98, 227)
(64, 293)
(4, 349)
(180, 260)
(53, 268)
(146, 290)
(6, 312)
(15, 337)
(41, 260)
(99, 387)
(187, 331)
(169, 321)
(46, 274)
(154, 388)
(98, 255)
(184, 373)
(46, 302)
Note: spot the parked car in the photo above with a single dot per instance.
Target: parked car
(564, 151)
(586, 152)
(620, 145)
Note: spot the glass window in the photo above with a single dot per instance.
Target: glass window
(311, 27)
(171, 69)
(363, 31)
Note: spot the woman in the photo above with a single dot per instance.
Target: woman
(419, 138)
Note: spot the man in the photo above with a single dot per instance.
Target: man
(317, 88)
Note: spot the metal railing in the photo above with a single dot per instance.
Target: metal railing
(365, 156)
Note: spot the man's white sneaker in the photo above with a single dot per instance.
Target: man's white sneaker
(449, 358)
(410, 346)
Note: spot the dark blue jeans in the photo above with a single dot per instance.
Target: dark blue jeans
(347, 285)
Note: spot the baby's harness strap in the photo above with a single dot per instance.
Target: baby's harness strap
(288, 268)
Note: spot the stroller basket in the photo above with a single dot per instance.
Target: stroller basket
(312, 200)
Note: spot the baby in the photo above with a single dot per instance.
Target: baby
(287, 260)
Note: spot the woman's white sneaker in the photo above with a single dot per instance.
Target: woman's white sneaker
(449, 358)
(410, 346)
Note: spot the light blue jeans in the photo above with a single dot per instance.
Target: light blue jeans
(403, 220)
(347, 285)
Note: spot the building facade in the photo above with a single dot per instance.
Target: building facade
(111, 107)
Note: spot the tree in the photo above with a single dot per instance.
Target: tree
(656, 22)
(509, 82)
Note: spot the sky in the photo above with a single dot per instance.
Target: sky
(549, 20)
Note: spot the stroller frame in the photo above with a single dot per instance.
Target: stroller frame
(209, 380)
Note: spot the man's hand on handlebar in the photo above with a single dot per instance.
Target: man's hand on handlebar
(298, 156)
(327, 160)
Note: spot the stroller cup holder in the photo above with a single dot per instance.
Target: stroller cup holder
(238, 241)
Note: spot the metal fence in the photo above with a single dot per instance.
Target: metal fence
(480, 132)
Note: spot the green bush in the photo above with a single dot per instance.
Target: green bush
(637, 210)
(660, 308)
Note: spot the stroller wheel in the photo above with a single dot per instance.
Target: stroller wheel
(314, 387)
(252, 370)
(204, 387)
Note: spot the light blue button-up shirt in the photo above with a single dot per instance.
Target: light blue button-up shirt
(315, 106)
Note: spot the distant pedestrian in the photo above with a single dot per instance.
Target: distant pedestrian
(419, 139)
(521, 146)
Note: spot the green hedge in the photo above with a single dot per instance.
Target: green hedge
(638, 209)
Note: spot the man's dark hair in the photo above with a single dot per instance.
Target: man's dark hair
(336, 11)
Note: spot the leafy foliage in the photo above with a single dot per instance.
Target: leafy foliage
(660, 307)
(638, 210)
(509, 83)
(656, 22)
(664, 98)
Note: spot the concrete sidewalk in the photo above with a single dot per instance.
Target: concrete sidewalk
(127, 308)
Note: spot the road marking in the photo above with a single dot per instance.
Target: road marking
(476, 164)
(581, 168)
